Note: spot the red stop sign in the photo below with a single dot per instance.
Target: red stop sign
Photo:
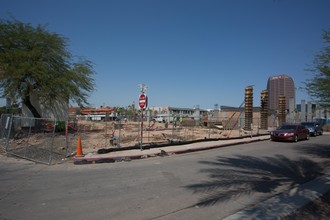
(143, 101)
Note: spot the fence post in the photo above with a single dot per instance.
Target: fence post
(52, 142)
(9, 123)
(67, 137)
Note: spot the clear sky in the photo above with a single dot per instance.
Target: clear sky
(188, 52)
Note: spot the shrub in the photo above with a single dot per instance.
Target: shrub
(60, 126)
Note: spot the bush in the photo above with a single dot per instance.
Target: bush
(60, 126)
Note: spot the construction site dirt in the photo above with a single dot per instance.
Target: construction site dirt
(53, 146)
(103, 137)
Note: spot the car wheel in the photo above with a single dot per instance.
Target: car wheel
(296, 138)
(321, 132)
(307, 137)
(315, 134)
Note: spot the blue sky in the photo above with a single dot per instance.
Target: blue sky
(187, 52)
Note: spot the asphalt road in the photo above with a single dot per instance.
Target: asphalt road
(210, 184)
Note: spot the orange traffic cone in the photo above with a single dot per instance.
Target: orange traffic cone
(79, 148)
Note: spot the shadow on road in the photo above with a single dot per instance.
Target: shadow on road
(317, 150)
(230, 178)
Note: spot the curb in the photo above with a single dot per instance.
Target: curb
(162, 153)
(218, 146)
(287, 202)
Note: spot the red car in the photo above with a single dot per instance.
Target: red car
(290, 133)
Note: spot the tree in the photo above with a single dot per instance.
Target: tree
(319, 86)
(36, 62)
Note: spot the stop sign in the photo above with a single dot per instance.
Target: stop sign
(143, 101)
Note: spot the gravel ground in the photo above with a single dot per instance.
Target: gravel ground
(318, 209)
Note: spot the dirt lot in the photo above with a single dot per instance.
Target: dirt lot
(44, 145)
(98, 135)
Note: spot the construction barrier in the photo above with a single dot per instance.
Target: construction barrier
(34, 139)
(49, 141)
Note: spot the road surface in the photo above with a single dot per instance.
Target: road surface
(211, 184)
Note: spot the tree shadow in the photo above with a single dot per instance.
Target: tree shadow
(318, 150)
(230, 178)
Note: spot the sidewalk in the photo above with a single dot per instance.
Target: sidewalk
(285, 203)
(132, 154)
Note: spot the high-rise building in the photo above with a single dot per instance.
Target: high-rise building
(280, 85)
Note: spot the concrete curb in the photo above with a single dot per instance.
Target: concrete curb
(287, 202)
(129, 155)
(218, 146)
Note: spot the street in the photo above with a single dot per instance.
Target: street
(210, 184)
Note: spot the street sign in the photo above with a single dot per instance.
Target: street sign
(143, 101)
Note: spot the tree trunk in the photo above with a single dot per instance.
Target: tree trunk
(28, 104)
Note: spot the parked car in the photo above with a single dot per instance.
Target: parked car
(290, 133)
(159, 119)
(314, 128)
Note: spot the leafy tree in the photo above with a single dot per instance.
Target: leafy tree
(319, 86)
(120, 110)
(36, 62)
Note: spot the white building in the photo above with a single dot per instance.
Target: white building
(168, 113)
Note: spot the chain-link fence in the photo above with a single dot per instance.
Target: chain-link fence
(41, 140)
(49, 141)
(125, 132)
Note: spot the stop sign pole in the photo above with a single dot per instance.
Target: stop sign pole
(143, 103)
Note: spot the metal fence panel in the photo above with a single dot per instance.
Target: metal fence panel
(97, 135)
(49, 141)
(33, 139)
(5, 126)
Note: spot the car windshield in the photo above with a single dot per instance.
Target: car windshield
(308, 125)
(287, 127)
